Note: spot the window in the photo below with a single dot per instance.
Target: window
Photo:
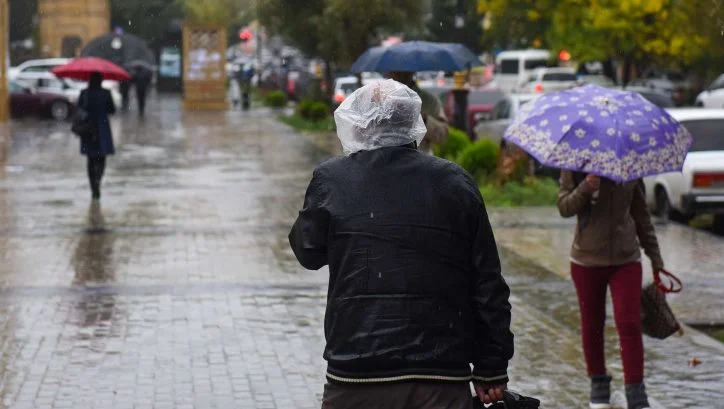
(533, 64)
(16, 88)
(559, 76)
(509, 66)
(718, 84)
(502, 110)
(39, 68)
(708, 134)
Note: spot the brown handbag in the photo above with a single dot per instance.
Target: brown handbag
(657, 318)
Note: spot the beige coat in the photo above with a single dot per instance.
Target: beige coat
(612, 229)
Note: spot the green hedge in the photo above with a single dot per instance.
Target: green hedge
(275, 99)
(455, 143)
(532, 192)
(480, 158)
(312, 110)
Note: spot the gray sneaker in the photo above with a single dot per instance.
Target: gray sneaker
(600, 392)
(636, 396)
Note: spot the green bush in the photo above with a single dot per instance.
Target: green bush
(318, 111)
(480, 158)
(531, 192)
(304, 108)
(456, 142)
(275, 99)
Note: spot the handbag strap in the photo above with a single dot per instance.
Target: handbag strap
(674, 283)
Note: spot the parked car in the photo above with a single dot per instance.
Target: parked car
(658, 98)
(48, 82)
(39, 69)
(494, 124)
(26, 101)
(712, 97)
(699, 187)
(668, 82)
(344, 86)
(480, 103)
(512, 66)
(597, 79)
(542, 80)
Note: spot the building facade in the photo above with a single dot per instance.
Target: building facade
(66, 26)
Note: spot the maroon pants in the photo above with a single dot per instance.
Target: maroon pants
(625, 282)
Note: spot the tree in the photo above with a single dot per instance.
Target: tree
(441, 23)
(515, 23)
(636, 32)
(338, 30)
(148, 19)
(217, 12)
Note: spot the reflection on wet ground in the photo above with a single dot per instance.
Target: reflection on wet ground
(179, 290)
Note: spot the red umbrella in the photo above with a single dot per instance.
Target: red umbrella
(82, 68)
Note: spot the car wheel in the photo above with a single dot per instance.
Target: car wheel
(663, 205)
(59, 110)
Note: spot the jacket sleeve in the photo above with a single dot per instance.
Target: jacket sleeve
(308, 237)
(572, 199)
(82, 100)
(437, 126)
(493, 340)
(645, 228)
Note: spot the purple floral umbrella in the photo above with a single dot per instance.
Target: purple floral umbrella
(615, 134)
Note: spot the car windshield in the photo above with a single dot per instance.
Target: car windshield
(708, 134)
(348, 88)
(533, 64)
(559, 76)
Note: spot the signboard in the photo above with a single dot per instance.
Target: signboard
(204, 68)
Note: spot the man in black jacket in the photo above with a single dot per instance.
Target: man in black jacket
(416, 294)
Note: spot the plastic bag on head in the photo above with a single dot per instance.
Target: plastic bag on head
(381, 114)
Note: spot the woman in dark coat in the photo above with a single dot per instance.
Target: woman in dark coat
(98, 102)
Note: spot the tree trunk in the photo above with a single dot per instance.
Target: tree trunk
(610, 71)
(329, 79)
(627, 65)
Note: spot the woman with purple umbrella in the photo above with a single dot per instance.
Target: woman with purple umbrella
(606, 141)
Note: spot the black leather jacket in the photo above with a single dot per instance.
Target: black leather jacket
(415, 287)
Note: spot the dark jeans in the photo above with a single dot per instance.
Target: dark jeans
(625, 283)
(96, 168)
(141, 96)
(406, 395)
(125, 89)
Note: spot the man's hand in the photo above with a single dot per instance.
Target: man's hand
(593, 181)
(490, 393)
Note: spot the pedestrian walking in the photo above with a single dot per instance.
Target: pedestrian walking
(613, 224)
(98, 103)
(142, 80)
(433, 114)
(416, 293)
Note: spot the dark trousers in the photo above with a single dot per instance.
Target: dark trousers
(141, 96)
(96, 168)
(407, 395)
(625, 283)
(125, 89)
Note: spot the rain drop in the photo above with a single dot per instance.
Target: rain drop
(372, 215)
(379, 275)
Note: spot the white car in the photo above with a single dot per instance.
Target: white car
(542, 80)
(47, 82)
(511, 67)
(712, 97)
(699, 187)
(344, 86)
(31, 71)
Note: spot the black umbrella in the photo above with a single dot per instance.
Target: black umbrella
(125, 50)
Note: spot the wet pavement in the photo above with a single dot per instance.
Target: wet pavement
(179, 289)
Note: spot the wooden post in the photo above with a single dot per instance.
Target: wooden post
(4, 97)
(204, 68)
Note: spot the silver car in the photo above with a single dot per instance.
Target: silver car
(494, 124)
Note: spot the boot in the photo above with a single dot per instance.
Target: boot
(600, 392)
(636, 396)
